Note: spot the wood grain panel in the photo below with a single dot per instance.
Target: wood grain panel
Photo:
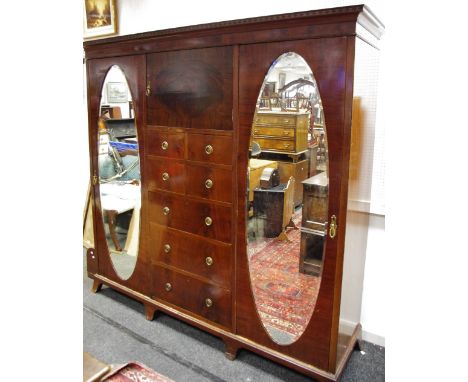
(191, 294)
(273, 131)
(189, 215)
(174, 171)
(191, 88)
(175, 144)
(222, 148)
(189, 252)
(221, 180)
(283, 145)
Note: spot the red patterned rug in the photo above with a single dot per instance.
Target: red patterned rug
(136, 372)
(284, 297)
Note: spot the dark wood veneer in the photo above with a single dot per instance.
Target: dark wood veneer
(191, 88)
(189, 252)
(222, 148)
(191, 294)
(221, 179)
(175, 170)
(189, 215)
(175, 144)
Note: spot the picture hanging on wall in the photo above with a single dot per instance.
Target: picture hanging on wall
(100, 18)
(117, 92)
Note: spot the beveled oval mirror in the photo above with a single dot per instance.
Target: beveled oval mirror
(287, 198)
(119, 172)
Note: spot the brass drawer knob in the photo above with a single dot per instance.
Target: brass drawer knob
(285, 120)
(209, 302)
(208, 221)
(208, 183)
(168, 287)
(286, 145)
(166, 210)
(208, 149)
(164, 145)
(286, 132)
(209, 261)
(256, 131)
(167, 248)
(165, 176)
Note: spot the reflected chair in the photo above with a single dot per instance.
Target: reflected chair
(288, 209)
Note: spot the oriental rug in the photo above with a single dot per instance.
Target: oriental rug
(136, 372)
(284, 297)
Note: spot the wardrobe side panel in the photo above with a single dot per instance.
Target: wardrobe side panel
(359, 188)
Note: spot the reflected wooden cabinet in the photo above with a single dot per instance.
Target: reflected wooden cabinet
(194, 95)
(281, 132)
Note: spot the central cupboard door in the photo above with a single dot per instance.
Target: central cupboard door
(273, 96)
(191, 88)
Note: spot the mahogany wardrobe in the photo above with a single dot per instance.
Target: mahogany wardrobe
(228, 165)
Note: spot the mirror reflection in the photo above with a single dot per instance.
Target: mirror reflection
(287, 198)
(119, 172)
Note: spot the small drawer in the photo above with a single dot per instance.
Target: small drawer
(165, 144)
(165, 174)
(210, 148)
(204, 299)
(208, 182)
(273, 119)
(192, 254)
(273, 131)
(276, 144)
(200, 218)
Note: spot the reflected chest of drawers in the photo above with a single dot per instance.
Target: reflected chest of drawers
(281, 132)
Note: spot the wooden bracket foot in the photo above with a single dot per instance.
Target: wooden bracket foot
(230, 349)
(149, 312)
(96, 286)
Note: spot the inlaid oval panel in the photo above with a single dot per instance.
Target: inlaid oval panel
(119, 172)
(287, 198)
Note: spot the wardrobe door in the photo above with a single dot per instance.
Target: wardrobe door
(116, 110)
(289, 252)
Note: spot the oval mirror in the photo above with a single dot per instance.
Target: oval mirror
(287, 198)
(119, 172)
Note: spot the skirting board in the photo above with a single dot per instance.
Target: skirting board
(373, 338)
(348, 327)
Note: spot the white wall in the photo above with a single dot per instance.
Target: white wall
(146, 15)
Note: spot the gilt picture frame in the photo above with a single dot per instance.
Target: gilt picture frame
(99, 18)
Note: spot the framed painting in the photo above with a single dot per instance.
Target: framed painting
(117, 92)
(100, 18)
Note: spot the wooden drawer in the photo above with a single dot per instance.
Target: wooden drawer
(276, 144)
(165, 144)
(275, 119)
(192, 254)
(210, 148)
(273, 131)
(190, 216)
(208, 182)
(165, 174)
(192, 294)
